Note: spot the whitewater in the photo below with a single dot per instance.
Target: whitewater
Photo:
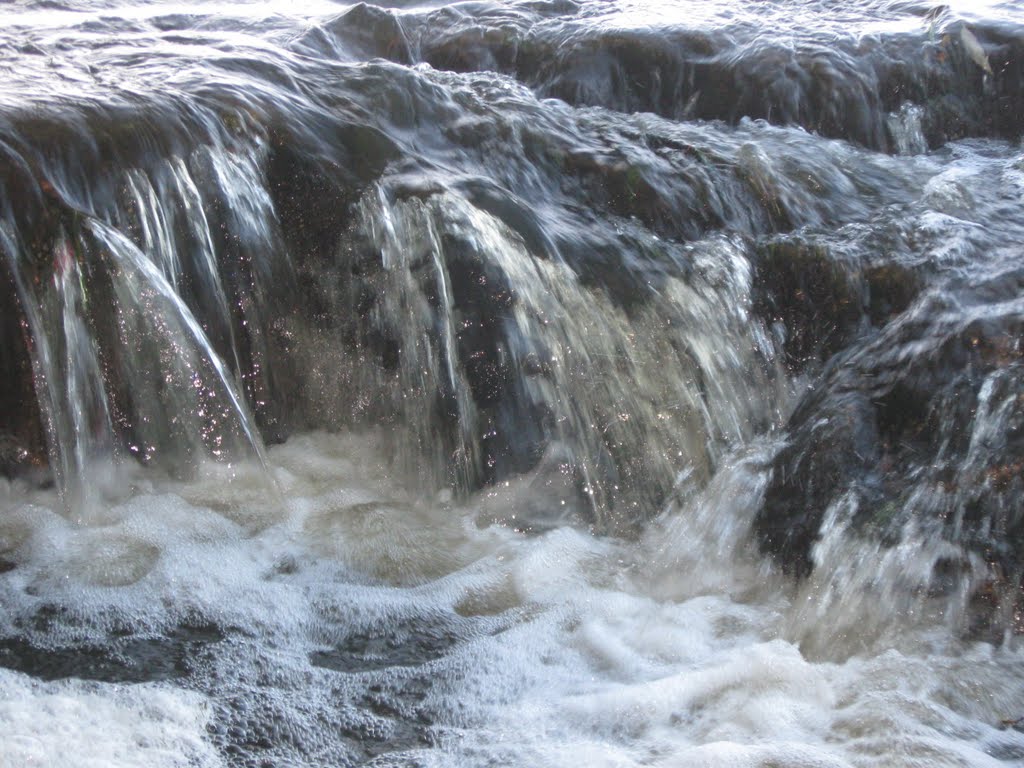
(511, 383)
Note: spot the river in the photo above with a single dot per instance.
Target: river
(522, 383)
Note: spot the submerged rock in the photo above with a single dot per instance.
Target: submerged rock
(362, 32)
(967, 81)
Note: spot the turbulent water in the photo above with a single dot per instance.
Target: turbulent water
(529, 383)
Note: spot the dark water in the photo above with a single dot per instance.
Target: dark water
(525, 383)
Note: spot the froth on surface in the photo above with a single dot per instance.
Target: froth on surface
(90, 725)
(351, 622)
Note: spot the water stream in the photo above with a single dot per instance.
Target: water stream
(511, 383)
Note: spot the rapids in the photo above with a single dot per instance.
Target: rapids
(535, 382)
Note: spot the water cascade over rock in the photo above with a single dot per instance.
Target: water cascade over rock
(346, 351)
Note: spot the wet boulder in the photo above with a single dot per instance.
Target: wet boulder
(820, 299)
(22, 445)
(922, 424)
(966, 79)
(362, 32)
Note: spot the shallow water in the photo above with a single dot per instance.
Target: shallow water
(206, 625)
(524, 383)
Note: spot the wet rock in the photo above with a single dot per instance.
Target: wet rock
(816, 296)
(471, 44)
(840, 88)
(823, 298)
(922, 422)
(22, 443)
(362, 32)
(684, 209)
(833, 448)
(124, 659)
(313, 188)
(890, 290)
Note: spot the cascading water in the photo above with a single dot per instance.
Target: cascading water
(511, 383)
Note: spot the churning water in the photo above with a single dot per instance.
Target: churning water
(536, 383)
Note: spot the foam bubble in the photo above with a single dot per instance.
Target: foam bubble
(89, 725)
(350, 621)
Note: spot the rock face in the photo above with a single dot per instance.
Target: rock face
(22, 444)
(922, 424)
(846, 89)
(824, 300)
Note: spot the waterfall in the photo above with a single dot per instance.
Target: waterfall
(528, 382)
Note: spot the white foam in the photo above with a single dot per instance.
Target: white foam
(556, 649)
(88, 725)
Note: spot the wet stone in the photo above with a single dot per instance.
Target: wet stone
(120, 660)
(900, 413)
